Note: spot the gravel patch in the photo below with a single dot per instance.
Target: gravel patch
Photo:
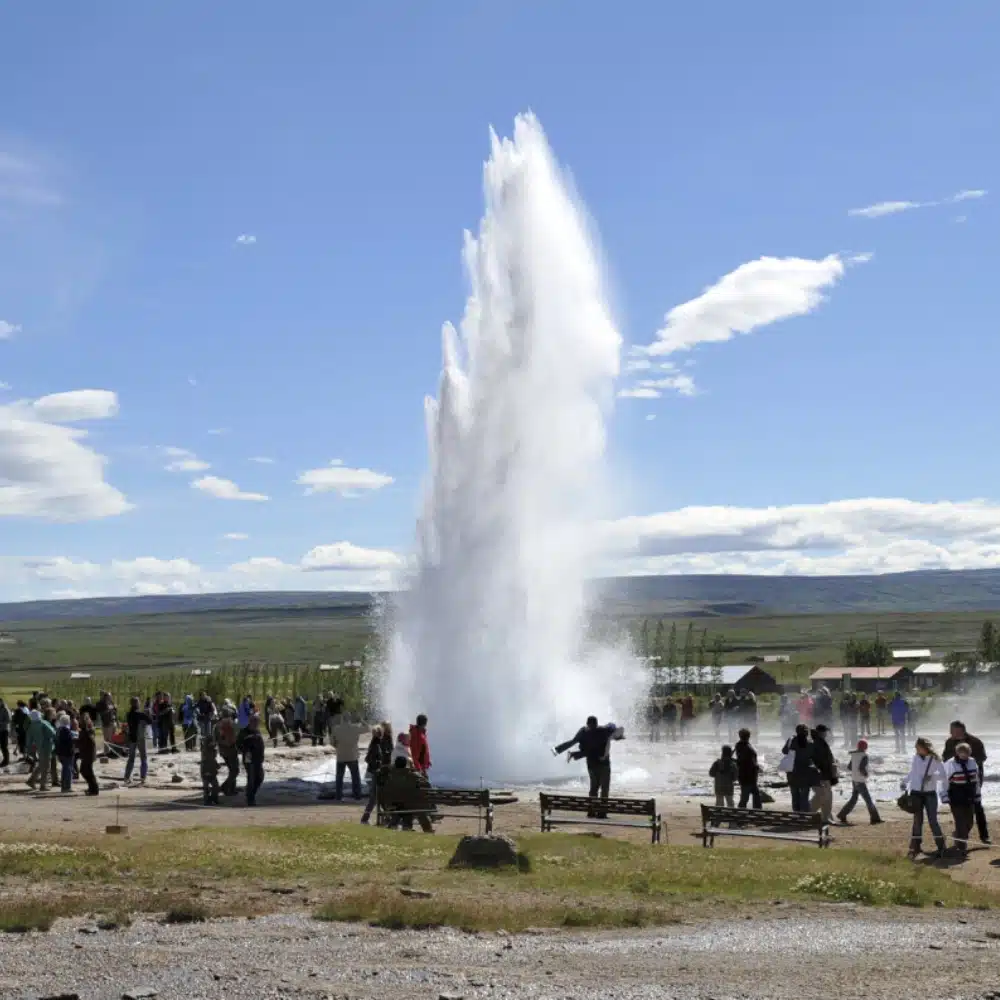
(872, 954)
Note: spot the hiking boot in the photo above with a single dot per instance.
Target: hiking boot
(843, 820)
(876, 819)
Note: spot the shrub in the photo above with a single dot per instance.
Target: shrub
(186, 913)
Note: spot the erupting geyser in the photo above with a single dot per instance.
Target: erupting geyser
(490, 637)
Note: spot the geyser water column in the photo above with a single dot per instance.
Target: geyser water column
(489, 638)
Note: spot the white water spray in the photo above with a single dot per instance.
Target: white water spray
(489, 638)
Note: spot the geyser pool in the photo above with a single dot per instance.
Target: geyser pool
(488, 637)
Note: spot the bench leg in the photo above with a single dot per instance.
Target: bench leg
(489, 821)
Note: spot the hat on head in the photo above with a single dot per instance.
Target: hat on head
(862, 744)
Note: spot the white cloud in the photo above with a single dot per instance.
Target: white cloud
(224, 489)
(650, 416)
(192, 380)
(47, 471)
(756, 294)
(872, 535)
(8, 329)
(339, 478)
(61, 568)
(960, 218)
(344, 556)
(968, 194)
(262, 460)
(80, 404)
(23, 182)
(182, 460)
(4, 386)
(217, 431)
(246, 239)
(235, 536)
(881, 208)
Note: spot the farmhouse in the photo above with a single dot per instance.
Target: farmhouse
(863, 678)
(928, 674)
(748, 676)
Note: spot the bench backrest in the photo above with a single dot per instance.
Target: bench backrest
(474, 798)
(713, 815)
(583, 803)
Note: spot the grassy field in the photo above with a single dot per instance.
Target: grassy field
(47, 651)
(397, 880)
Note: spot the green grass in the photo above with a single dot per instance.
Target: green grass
(573, 881)
(28, 915)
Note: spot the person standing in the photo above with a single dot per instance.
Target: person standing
(377, 760)
(670, 718)
(86, 745)
(962, 792)
(724, 774)
(65, 752)
(898, 713)
(4, 733)
(205, 714)
(687, 714)
(803, 776)
(923, 783)
(593, 744)
(300, 716)
(420, 749)
(881, 712)
(167, 724)
(747, 771)
(959, 734)
(209, 772)
(189, 723)
(41, 742)
(226, 737)
(346, 734)
(822, 797)
(19, 721)
(252, 748)
(108, 716)
(718, 710)
(137, 722)
(864, 716)
(859, 770)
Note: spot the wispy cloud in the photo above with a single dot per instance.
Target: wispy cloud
(218, 431)
(262, 460)
(246, 239)
(4, 386)
(183, 460)
(880, 208)
(225, 489)
(24, 181)
(235, 536)
(653, 388)
(80, 404)
(8, 329)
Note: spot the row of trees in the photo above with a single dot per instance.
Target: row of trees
(970, 662)
(697, 659)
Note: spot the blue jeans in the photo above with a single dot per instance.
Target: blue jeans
(800, 798)
(859, 790)
(139, 748)
(352, 766)
(66, 774)
(927, 804)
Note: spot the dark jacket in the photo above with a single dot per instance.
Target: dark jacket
(593, 744)
(86, 746)
(823, 760)
(725, 773)
(803, 773)
(975, 745)
(133, 720)
(251, 746)
(746, 762)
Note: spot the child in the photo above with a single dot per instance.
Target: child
(858, 769)
(724, 772)
(962, 792)
(209, 771)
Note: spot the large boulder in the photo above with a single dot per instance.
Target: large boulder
(494, 851)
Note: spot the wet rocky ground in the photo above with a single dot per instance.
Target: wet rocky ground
(778, 953)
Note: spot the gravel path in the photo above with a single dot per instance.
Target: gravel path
(846, 952)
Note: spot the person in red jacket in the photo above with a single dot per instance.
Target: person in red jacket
(420, 749)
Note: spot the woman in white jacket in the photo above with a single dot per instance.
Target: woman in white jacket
(924, 782)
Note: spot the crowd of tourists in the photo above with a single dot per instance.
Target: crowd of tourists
(59, 743)
(954, 778)
(672, 717)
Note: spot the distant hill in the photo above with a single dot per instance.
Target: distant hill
(933, 590)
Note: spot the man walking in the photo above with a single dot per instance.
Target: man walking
(959, 734)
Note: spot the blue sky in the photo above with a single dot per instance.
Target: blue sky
(138, 143)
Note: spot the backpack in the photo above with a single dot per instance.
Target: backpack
(64, 742)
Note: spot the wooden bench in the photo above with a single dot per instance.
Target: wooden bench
(806, 827)
(595, 812)
(441, 800)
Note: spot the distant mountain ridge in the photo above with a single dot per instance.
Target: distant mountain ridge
(925, 590)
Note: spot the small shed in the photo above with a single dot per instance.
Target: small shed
(928, 674)
(862, 678)
(747, 676)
